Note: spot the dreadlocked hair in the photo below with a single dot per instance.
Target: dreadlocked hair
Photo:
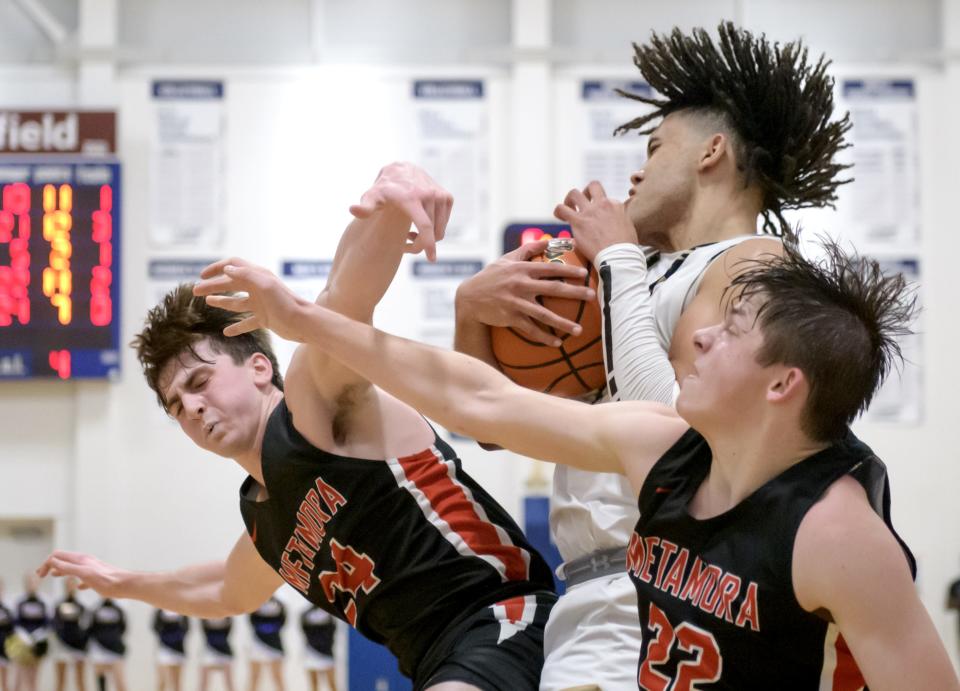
(776, 102)
(182, 320)
(838, 319)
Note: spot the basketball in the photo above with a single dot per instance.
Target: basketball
(576, 367)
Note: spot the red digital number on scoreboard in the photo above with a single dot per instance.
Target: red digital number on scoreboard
(101, 307)
(15, 232)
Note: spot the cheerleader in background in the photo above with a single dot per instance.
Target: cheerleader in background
(267, 649)
(6, 630)
(217, 653)
(319, 629)
(27, 645)
(171, 629)
(70, 641)
(107, 648)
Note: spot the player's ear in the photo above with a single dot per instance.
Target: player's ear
(713, 150)
(788, 384)
(262, 368)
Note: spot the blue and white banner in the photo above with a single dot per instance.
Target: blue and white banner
(165, 274)
(609, 159)
(880, 211)
(187, 163)
(451, 140)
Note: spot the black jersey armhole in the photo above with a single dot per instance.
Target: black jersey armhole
(665, 473)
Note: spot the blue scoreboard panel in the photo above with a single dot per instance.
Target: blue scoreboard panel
(59, 269)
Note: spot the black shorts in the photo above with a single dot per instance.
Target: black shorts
(499, 648)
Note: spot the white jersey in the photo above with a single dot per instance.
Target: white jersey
(593, 511)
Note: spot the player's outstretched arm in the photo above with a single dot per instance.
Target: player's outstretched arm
(848, 563)
(460, 392)
(366, 261)
(214, 589)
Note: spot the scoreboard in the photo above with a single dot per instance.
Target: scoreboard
(59, 269)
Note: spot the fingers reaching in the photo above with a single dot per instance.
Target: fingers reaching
(528, 250)
(369, 203)
(576, 200)
(444, 209)
(594, 191)
(216, 268)
(251, 323)
(231, 303)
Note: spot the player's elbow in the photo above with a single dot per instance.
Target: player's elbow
(232, 603)
(478, 414)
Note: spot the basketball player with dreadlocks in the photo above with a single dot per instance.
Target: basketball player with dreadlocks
(743, 133)
(764, 556)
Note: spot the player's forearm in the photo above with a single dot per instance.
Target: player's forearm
(434, 381)
(196, 591)
(365, 263)
(638, 368)
(472, 337)
(462, 393)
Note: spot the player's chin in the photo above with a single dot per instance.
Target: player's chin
(687, 403)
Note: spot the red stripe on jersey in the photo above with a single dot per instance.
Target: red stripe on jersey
(846, 675)
(430, 474)
(514, 607)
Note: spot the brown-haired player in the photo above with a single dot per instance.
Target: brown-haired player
(351, 497)
(764, 556)
(741, 130)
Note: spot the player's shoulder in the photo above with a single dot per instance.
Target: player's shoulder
(736, 257)
(644, 416)
(840, 543)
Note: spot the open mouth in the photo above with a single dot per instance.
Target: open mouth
(208, 429)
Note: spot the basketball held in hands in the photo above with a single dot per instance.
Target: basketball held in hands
(573, 369)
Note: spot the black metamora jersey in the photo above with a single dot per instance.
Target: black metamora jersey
(401, 549)
(318, 630)
(716, 598)
(69, 623)
(31, 614)
(267, 622)
(108, 626)
(6, 627)
(217, 634)
(171, 629)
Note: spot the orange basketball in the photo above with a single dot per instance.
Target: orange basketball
(573, 369)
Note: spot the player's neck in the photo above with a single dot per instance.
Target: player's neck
(714, 219)
(746, 459)
(250, 460)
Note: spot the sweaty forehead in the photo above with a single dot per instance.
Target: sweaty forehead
(745, 309)
(678, 125)
(178, 368)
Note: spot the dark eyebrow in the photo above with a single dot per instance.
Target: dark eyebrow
(733, 311)
(172, 402)
(193, 375)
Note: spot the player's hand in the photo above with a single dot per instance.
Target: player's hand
(254, 290)
(506, 293)
(596, 220)
(407, 188)
(91, 573)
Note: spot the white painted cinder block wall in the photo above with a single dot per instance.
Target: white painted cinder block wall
(115, 475)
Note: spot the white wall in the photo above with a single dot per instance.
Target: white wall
(114, 474)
